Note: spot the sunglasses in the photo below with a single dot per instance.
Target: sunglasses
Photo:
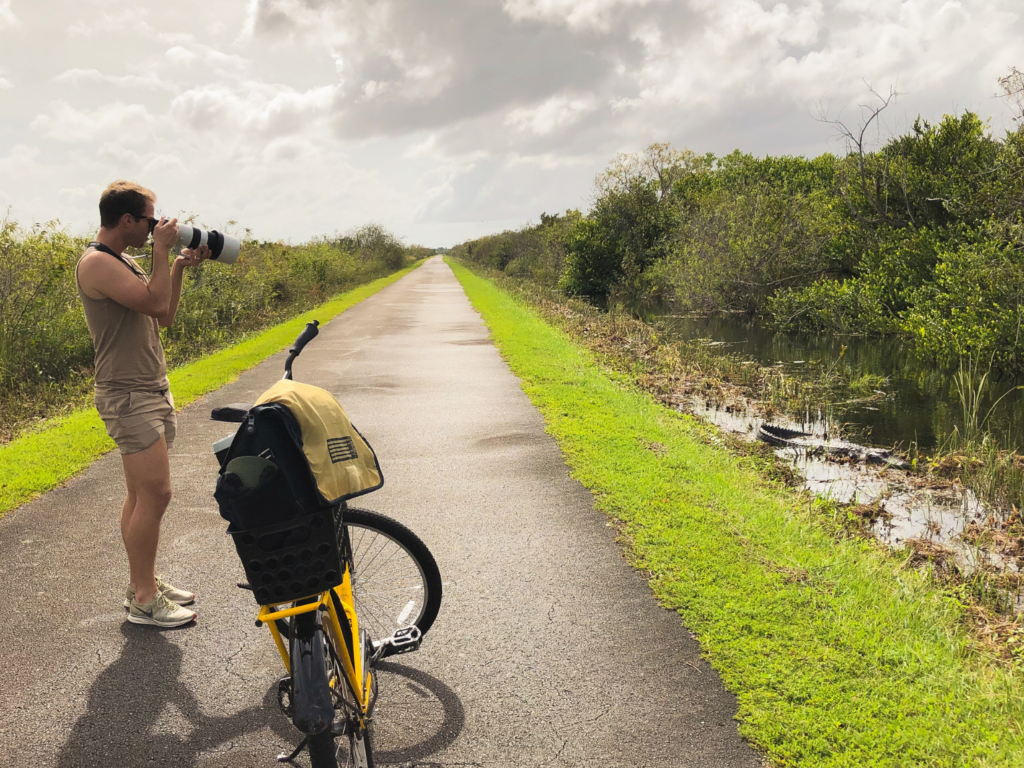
(152, 222)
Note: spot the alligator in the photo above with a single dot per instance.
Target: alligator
(781, 437)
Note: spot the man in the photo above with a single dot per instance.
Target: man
(124, 311)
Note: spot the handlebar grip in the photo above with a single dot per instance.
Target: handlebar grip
(308, 334)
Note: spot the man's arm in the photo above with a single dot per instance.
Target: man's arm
(100, 274)
(188, 258)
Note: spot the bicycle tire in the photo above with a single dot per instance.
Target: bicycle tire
(396, 582)
(359, 743)
(360, 749)
(323, 752)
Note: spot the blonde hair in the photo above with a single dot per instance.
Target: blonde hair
(123, 197)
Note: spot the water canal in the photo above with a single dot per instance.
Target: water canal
(904, 399)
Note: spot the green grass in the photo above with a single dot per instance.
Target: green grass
(839, 654)
(30, 466)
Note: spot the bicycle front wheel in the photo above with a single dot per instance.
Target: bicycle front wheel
(360, 752)
(395, 580)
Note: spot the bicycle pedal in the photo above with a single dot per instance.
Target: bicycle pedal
(404, 640)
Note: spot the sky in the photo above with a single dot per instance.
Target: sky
(445, 120)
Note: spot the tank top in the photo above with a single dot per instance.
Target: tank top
(128, 354)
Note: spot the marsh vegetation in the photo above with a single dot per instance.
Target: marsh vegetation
(847, 290)
(872, 296)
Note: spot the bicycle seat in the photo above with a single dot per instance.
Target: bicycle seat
(232, 412)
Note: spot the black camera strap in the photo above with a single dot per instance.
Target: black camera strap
(120, 257)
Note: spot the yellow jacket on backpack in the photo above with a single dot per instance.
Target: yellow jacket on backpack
(341, 460)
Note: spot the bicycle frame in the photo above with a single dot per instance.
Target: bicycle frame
(352, 661)
(330, 686)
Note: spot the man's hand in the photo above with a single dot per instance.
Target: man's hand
(165, 235)
(192, 257)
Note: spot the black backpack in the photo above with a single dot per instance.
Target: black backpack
(285, 490)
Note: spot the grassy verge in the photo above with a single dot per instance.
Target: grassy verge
(686, 374)
(31, 465)
(838, 653)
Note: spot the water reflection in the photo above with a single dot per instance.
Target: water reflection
(922, 403)
(908, 511)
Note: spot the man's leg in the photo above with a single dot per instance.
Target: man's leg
(126, 516)
(148, 474)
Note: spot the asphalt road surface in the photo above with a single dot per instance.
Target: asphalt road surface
(549, 649)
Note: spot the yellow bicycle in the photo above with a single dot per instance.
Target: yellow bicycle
(339, 589)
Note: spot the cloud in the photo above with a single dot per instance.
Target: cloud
(162, 165)
(107, 23)
(553, 114)
(253, 107)
(282, 17)
(7, 17)
(406, 67)
(561, 84)
(179, 54)
(79, 77)
(578, 14)
(463, 116)
(288, 149)
(191, 53)
(802, 50)
(117, 121)
(20, 159)
(552, 160)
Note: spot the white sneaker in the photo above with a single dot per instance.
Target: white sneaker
(160, 612)
(175, 595)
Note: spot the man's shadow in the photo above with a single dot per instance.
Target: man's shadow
(129, 698)
(127, 702)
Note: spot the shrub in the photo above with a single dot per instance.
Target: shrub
(46, 353)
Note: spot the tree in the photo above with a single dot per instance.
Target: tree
(659, 164)
(1013, 91)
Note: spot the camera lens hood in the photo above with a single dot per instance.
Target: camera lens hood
(223, 248)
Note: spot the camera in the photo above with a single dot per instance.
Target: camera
(223, 248)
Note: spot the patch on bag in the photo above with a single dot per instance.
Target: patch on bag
(341, 449)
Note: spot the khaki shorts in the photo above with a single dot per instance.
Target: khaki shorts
(135, 420)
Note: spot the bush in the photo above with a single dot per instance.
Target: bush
(921, 237)
(46, 353)
(974, 306)
(42, 329)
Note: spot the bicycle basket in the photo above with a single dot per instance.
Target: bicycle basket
(294, 559)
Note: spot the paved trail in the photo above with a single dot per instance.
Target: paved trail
(549, 649)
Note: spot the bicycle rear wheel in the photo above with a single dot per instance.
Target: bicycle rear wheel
(323, 751)
(395, 580)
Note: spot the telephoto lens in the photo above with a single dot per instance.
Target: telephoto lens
(223, 248)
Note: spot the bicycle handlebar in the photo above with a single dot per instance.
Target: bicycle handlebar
(308, 334)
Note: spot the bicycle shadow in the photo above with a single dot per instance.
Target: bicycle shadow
(452, 716)
(124, 723)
